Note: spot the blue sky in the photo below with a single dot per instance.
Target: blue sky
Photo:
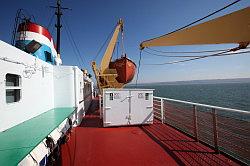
(90, 22)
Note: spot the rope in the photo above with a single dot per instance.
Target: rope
(122, 41)
(75, 48)
(100, 49)
(139, 65)
(71, 43)
(169, 56)
(50, 21)
(82, 58)
(186, 52)
(117, 49)
(196, 21)
(178, 56)
(206, 56)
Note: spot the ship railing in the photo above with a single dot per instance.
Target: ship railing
(100, 106)
(224, 129)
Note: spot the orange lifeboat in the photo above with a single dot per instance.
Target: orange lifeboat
(125, 69)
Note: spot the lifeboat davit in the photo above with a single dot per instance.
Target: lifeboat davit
(125, 69)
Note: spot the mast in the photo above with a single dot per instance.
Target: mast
(58, 25)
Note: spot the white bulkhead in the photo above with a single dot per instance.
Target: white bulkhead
(30, 87)
(39, 87)
(127, 107)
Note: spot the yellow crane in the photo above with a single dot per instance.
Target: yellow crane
(230, 28)
(105, 76)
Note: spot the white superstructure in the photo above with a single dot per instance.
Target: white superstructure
(30, 87)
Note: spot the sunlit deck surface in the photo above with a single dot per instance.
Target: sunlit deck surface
(156, 144)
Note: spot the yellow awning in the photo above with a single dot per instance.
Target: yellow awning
(230, 28)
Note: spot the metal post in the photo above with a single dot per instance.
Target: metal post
(162, 111)
(58, 26)
(196, 135)
(100, 106)
(215, 129)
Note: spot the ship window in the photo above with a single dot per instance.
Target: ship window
(13, 88)
(13, 95)
(48, 56)
(12, 80)
(146, 96)
(32, 47)
(20, 45)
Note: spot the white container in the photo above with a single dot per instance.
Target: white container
(127, 107)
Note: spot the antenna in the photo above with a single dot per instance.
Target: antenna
(58, 25)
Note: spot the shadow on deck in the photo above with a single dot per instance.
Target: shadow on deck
(156, 144)
(92, 118)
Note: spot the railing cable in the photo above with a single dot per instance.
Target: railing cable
(196, 21)
(185, 52)
(138, 71)
(50, 21)
(104, 43)
(169, 56)
(201, 57)
(74, 43)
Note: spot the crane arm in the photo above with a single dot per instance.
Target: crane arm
(110, 49)
(230, 28)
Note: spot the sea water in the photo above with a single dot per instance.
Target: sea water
(229, 95)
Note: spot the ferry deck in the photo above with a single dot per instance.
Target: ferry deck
(156, 144)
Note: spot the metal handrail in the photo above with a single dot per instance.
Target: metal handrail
(204, 105)
(197, 128)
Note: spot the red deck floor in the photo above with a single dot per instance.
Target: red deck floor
(156, 144)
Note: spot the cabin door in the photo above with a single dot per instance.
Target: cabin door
(141, 107)
(116, 106)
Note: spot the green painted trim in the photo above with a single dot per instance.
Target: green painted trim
(18, 141)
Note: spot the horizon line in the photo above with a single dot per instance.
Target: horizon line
(191, 80)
